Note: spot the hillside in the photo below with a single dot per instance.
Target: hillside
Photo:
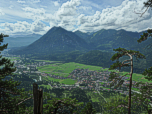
(83, 35)
(56, 40)
(109, 39)
(95, 57)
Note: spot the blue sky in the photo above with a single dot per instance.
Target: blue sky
(21, 17)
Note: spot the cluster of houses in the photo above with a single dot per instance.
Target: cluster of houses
(93, 80)
(29, 69)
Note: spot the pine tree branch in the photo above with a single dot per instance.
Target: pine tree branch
(23, 101)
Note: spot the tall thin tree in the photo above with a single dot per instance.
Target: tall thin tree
(116, 77)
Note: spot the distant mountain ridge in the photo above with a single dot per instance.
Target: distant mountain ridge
(27, 35)
(57, 38)
(82, 35)
(109, 39)
(92, 38)
(24, 40)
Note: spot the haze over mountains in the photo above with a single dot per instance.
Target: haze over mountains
(103, 39)
(20, 40)
(24, 40)
(59, 44)
(57, 39)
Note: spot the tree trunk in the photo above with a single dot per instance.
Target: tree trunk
(150, 111)
(129, 100)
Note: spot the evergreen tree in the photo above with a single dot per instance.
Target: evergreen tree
(11, 98)
(145, 96)
(115, 105)
(149, 31)
(88, 109)
(116, 77)
(62, 106)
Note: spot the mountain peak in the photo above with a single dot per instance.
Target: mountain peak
(53, 29)
(57, 39)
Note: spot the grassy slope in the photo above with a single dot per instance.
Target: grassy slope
(65, 69)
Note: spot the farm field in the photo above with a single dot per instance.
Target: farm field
(63, 69)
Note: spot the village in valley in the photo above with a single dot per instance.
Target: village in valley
(86, 79)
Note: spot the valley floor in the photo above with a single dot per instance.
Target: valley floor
(71, 75)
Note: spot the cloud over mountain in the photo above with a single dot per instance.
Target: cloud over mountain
(35, 16)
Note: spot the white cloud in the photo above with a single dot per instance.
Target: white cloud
(23, 26)
(92, 4)
(114, 18)
(19, 26)
(1, 12)
(43, 6)
(13, 14)
(11, 6)
(20, 1)
(56, 3)
(38, 26)
(33, 10)
(68, 8)
(89, 16)
(66, 15)
(35, 1)
(34, 14)
(85, 8)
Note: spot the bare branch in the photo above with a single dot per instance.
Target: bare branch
(143, 12)
(24, 100)
(148, 45)
(125, 61)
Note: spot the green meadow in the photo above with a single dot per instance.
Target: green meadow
(65, 81)
(66, 68)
